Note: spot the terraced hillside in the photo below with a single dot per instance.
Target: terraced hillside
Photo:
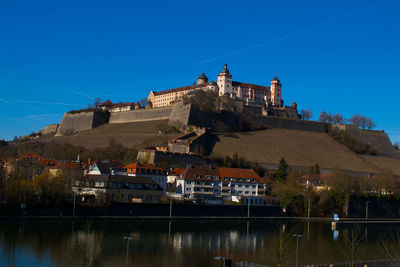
(131, 135)
(299, 148)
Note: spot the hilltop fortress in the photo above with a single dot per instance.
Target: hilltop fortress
(251, 99)
(250, 94)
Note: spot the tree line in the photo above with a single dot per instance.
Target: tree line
(357, 120)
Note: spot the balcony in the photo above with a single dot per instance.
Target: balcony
(203, 186)
(208, 193)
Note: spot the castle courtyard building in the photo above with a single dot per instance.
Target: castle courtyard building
(250, 94)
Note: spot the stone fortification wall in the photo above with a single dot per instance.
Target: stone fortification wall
(174, 159)
(180, 115)
(377, 139)
(77, 122)
(49, 129)
(294, 124)
(151, 114)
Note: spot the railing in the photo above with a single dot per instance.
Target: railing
(369, 263)
(203, 186)
(203, 192)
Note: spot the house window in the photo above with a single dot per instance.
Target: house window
(153, 186)
(116, 185)
(149, 198)
(246, 192)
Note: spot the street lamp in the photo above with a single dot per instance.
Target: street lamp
(366, 209)
(127, 249)
(297, 247)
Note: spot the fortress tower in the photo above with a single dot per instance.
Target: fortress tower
(276, 92)
(225, 81)
(202, 79)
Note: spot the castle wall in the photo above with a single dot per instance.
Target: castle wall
(180, 115)
(151, 114)
(377, 139)
(294, 124)
(72, 123)
(49, 129)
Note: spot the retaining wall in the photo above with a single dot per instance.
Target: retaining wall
(49, 129)
(72, 123)
(150, 114)
(180, 115)
(377, 139)
(294, 124)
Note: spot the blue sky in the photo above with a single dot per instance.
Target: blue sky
(338, 56)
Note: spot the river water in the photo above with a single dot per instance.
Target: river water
(189, 243)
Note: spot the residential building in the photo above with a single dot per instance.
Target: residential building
(159, 175)
(118, 188)
(318, 182)
(226, 183)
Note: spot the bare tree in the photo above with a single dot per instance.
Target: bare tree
(282, 252)
(353, 249)
(356, 120)
(97, 102)
(370, 124)
(391, 247)
(338, 119)
(325, 117)
(306, 114)
(362, 122)
(143, 102)
(397, 145)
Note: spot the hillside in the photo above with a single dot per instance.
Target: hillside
(131, 135)
(300, 148)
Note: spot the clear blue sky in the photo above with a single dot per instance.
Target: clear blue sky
(338, 56)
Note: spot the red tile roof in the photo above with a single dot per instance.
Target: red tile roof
(67, 165)
(47, 162)
(177, 171)
(179, 89)
(106, 103)
(253, 86)
(239, 173)
(32, 156)
(143, 166)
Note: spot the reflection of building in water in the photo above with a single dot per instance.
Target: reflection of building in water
(225, 243)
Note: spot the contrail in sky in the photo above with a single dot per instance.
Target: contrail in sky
(85, 95)
(48, 103)
(297, 33)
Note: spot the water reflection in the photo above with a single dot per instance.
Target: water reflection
(191, 243)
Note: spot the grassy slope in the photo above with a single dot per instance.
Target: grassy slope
(387, 165)
(132, 135)
(299, 148)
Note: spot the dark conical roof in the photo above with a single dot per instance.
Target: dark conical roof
(202, 76)
(225, 70)
(276, 79)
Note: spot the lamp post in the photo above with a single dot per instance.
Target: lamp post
(297, 247)
(366, 209)
(170, 207)
(127, 249)
(73, 207)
